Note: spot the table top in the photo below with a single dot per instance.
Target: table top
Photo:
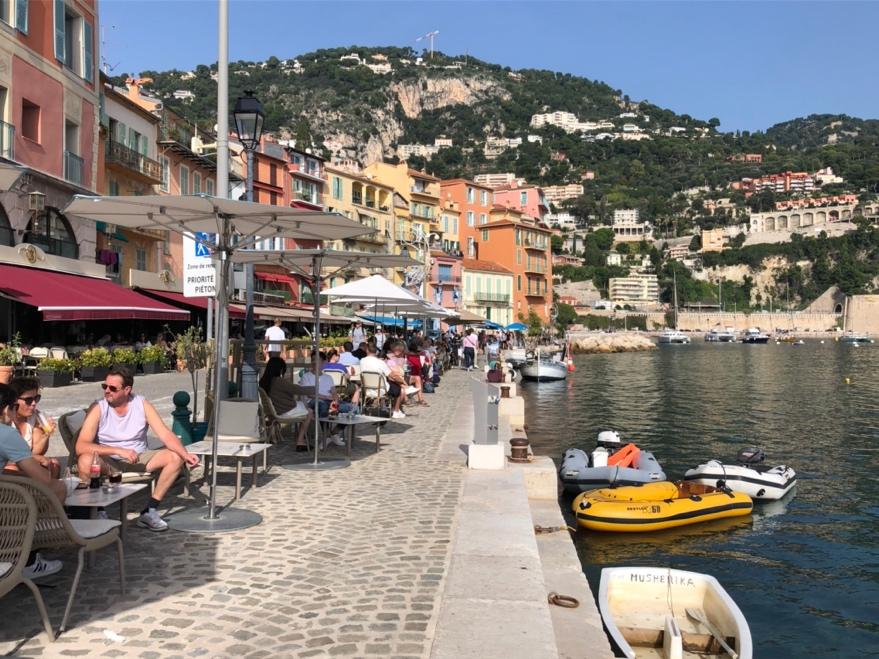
(99, 498)
(357, 419)
(227, 449)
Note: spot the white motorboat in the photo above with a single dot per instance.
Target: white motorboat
(749, 476)
(581, 471)
(754, 335)
(544, 370)
(716, 335)
(515, 356)
(673, 336)
(661, 612)
(855, 339)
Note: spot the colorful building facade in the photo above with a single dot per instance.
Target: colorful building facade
(487, 290)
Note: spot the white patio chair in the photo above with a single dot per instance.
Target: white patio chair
(57, 352)
(53, 530)
(18, 518)
(375, 389)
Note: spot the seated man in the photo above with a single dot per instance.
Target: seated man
(347, 358)
(14, 449)
(326, 394)
(115, 429)
(372, 364)
(360, 353)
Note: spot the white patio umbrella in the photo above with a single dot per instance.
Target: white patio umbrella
(238, 225)
(309, 263)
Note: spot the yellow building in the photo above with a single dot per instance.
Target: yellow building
(364, 200)
(450, 226)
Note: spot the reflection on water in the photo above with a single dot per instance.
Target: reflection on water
(805, 570)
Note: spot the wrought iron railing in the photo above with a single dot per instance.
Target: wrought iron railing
(119, 153)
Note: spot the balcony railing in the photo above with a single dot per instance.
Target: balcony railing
(73, 167)
(491, 297)
(305, 196)
(123, 155)
(7, 138)
(448, 279)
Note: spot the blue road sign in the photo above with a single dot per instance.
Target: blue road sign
(201, 240)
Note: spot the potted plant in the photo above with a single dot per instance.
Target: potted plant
(152, 359)
(125, 356)
(94, 364)
(192, 351)
(55, 372)
(10, 355)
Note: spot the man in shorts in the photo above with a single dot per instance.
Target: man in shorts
(115, 428)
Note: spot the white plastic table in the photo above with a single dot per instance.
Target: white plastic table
(250, 451)
(358, 419)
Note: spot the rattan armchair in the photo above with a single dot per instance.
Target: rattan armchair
(53, 530)
(18, 519)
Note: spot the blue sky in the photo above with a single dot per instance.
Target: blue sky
(751, 64)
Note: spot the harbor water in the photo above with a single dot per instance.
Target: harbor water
(804, 571)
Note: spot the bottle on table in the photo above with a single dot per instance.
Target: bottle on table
(95, 473)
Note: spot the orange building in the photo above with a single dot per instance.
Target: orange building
(521, 245)
(474, 204)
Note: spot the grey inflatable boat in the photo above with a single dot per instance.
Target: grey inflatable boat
(581, 471)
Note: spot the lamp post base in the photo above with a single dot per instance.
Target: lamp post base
(320, 465)
(196, 520)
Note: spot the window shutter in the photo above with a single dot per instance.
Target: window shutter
(59, 30)
(88, 51)
(21, 15)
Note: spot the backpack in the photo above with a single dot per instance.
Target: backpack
(427, 387)
(435, 380)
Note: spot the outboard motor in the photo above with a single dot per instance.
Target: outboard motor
(599, 457)
(751, 456)
(609, 439)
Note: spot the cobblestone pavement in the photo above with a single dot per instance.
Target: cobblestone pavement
(346, 563)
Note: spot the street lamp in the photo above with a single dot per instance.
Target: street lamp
(249, 118)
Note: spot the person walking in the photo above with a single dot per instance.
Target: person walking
(471, 343)
(277, 336)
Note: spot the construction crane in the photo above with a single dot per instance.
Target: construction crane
(430, 36)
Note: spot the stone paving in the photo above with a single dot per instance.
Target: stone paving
(346, 563)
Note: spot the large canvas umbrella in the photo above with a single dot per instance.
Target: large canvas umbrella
(309, 263)
(238, 225)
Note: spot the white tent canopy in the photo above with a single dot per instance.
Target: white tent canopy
(373, 289)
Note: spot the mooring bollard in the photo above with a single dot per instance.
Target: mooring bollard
(182, 425)
(519, 449)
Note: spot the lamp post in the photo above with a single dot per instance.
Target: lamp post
(249, 119)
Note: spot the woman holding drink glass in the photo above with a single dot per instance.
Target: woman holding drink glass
(34, 426)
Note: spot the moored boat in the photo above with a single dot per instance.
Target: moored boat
(657, 506)
(661, 612)
(754, 335)
(515, 356)
(673, 336)
(716, 335)
(852, 337)
(610, 463)
(748, 476)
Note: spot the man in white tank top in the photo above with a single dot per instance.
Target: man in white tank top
(115, 429)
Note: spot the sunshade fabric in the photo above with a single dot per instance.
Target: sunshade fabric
(60, 296)
(373, 289)
(300, 259)
(192, 213)
(393, 322)
(465, 317)
(179, 299)
(516, 327)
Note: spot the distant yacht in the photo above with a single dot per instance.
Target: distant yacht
(673, 336)
(754, 335)
(851, 337)
(726, 335)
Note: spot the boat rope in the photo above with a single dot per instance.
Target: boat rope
(552, 529)
(565, 601)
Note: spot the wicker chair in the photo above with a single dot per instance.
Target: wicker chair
(375, 389)
(275, 423)
(18, 518)
(53, 530)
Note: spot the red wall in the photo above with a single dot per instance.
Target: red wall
(38, 88)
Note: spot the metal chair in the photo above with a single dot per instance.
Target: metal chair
(240, 422)
(275, 423)
(53, 530)
(57, 352)
(18, 519)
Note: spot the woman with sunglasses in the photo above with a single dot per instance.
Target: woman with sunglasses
(34, 426)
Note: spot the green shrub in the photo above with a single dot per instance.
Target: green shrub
(96, 357)
(151, 355)
(60, 365)
(124, 356)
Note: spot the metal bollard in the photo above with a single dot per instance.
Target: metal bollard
(486, 401)
(519, 449)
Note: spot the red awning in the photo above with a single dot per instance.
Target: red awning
(279, 279)
(197, 302)
(62, 296)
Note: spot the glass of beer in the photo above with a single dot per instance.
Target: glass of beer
(45, 423)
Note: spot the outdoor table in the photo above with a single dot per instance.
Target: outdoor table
(357, 420)
(232, 450)
(94, 499)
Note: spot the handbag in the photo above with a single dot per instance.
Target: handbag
(495, 375)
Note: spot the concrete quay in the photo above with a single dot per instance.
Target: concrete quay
(406, 553)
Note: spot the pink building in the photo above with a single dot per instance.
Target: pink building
(445, 279)
(529, 199)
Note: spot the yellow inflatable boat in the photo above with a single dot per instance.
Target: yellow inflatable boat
(657, 506)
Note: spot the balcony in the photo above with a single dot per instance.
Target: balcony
(307, 197)
(499, 298)
(73, 168)
(7, 138)
(147, 168)
(451, 280)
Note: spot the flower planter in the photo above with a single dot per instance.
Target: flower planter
(151, 368)
(54, 378)
(93, 373)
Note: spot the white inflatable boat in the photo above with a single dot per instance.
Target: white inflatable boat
(610, 463)
(749, 476)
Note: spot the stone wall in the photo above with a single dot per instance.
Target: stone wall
(863, 314)
(813, 322)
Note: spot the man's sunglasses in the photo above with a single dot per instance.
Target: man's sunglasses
(30, 400)
(113, 388)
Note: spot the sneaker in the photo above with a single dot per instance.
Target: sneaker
(102, 514)
(337, 440)
(151, 520)
(398, 415)
(41, 568)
